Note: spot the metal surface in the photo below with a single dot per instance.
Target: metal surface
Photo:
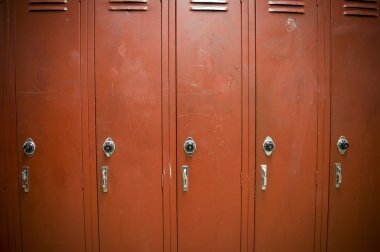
(342, 145)
(29, 147)
(128, 108)
(264, 178)
(338, 175)
(109, 147)
(189, 146)
(209, 98)
(354, 220)
(25, 178)
(185, 177)
(48, 88)
(268, 146)
(104, 171)
(286, 109)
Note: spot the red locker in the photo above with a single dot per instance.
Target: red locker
(286, 125)
(209, 125)
(354, 203)
(49, 142)
(3, 195)
(128, 82)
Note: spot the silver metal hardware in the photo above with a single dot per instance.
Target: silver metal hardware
(105, 178)
(185, 176)
(268, 146)
(25, 178)
(29, 147)
(338, 175)
(264, 179)
(109, 147)
(189, 146)
(342, 145)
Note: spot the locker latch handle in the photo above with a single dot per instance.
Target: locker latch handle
(264, 179)
(25, 178)
(105, 179)
(185, 177)
(338, 175)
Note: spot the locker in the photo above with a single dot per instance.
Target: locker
(286, 125)
(209, 122)
(49, 142)
(128, 115)
(354, 206)
(3, 203)
(3, 212)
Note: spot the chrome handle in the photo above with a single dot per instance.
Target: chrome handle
(105, 179)
(264, 179)
(185, 173)
(25, 178)
(338, 175)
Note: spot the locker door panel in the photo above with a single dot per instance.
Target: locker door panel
(286, 110)
(354, 222)
(48, 101)
(128, 110)
(209, 90)
(3, 205)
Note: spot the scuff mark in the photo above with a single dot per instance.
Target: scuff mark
(290, 24)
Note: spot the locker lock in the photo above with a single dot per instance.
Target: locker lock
(342, 145)
(189, 146)
(109, 147)
(268, 146)
(29, 147)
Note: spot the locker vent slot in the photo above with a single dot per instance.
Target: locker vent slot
(128, 5)
(292, 6)
(364, 8)
(47, 5)
(208, 5)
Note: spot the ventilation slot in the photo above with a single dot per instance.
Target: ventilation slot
(131, 5)
(208, 5)
(48, 5)
(366, 8)
(295, 6)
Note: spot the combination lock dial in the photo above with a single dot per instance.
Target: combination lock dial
(109, 147)
(29, 147)
(268, 146)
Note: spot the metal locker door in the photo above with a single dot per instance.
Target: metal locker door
(354, 203)
(209, 122)
(49, 142)
(3, 205)
(286, 124)
(129, 124)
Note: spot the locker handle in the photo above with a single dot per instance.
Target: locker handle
(105, 179)
(185, 177)
(25, 178)
(338, 175)
(264, 179)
